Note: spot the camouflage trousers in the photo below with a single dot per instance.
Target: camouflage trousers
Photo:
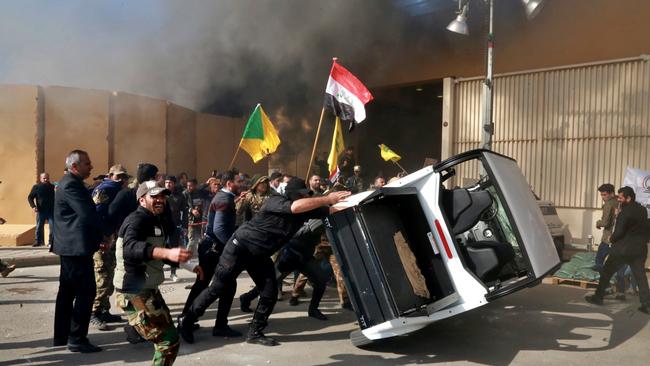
(194, 236)
(104, 272)
(148, 314)
(324, 251)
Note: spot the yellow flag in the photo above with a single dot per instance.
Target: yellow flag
(388, 154)
(338, 146)
(260, 137)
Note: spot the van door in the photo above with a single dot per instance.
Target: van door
(524, 211)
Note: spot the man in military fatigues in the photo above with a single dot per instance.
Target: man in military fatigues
(104, 258)
(252, 202)
(141, 253)
(323, 251)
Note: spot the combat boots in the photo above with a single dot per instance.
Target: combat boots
(255, 335)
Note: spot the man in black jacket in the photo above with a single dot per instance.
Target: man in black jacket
(41, 200)
(222, 217)
(298, 255)
(629, 246)
(140, 253)
(77, 235)
(250, 249)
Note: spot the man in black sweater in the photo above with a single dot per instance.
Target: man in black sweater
(250, 249)
(41, 200)
(222, 217)
(629, 246)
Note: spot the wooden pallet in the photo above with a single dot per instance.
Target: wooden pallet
(572, 282)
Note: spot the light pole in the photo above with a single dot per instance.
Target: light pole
(459, 25)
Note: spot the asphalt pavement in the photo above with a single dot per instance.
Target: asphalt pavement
(545, 325)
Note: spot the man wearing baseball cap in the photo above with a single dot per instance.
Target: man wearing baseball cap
(104, 258)
(250, 249)
(141, 253)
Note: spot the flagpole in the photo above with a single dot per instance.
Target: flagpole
(313, 150)
(234, 157)
(401, 167)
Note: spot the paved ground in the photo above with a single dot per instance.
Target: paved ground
(547, 325)
(26, 256)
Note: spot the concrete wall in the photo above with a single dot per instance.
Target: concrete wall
(139, 131)
(18, 149)
(181, 140)
(40, 126)
(214, 144)
(75, 119)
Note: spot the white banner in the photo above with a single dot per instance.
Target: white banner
(639, 180)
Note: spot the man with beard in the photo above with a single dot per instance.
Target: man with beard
(250, 249)
(222, 217)
(629, 246)
(141, 252)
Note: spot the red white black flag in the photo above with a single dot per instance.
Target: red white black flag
(346, 96)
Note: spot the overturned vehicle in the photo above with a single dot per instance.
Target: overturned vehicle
(438, 242)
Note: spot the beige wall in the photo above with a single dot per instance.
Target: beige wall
(214, 144)
(18, 149)
(41, 125)
(564, 33)
(181, 140)
(75, 119)
(139, 131)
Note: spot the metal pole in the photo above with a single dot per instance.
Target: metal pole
(488, 126)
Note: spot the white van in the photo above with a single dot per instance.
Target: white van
(422, 249)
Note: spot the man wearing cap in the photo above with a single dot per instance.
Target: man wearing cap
(250, 249)
(104, 258)
(141, 252)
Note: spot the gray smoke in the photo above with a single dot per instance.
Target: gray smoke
(216, 56)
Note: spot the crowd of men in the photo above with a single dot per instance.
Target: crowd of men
(115, 237)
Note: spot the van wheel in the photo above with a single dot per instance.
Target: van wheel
(358, 339)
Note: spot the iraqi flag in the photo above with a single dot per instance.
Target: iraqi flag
(346, 96)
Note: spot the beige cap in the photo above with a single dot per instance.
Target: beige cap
(117, 169)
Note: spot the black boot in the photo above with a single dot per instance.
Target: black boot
(316, 314)
(594, 299)
(186, 328)
(132, 336)
(245, 302)
(225, 331)
(255, 335)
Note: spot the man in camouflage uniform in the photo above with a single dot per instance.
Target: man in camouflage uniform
(323, 251)
(252, 202)
(141, 253)
(104, 258)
